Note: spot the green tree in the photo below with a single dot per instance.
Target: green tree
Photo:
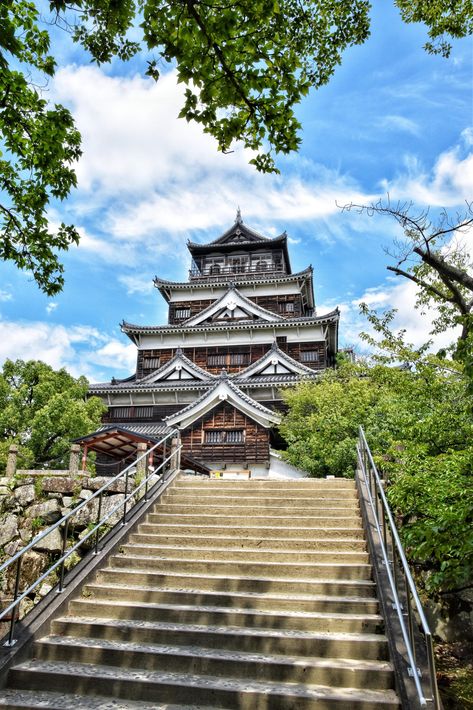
(38, 146)
(434, 254)
(41, 410)
(245, 65)
(416, 411)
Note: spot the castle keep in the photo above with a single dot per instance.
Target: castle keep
(241, 327)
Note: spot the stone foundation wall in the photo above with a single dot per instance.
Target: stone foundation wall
(32, 501)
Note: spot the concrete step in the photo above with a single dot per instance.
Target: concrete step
(294, 570)
(248, 543)
(297, 498)
(259, 484)
(218, 662)
(262, 531)
(301, 643)
(14, 699)
(260, 555)
(219, 616)
(337, 511)
(282, 521)
(180, 687)
(236, 583)
(248, 600)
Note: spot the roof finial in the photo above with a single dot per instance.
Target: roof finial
(224, 374)
(238, 219)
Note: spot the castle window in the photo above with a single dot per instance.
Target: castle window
(224, 436)
(216, 360)
(239, 359)
(150, 363)
(310, 356)
(287, 307)
(183, 313)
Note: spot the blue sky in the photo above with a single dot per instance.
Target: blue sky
(393, 119)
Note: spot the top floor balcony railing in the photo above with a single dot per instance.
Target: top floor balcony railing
(231, 271)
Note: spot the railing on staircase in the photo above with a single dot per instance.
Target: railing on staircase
(141, 491)
(406, 625)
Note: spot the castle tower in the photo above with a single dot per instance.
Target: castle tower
(241, 328)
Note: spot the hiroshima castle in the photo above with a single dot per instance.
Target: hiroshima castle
(240, 329)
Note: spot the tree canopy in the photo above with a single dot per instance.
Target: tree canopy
(415, 409)
(41, 410)
(245, 65)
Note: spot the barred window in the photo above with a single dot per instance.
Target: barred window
(239, 359)
(120, 412)
(288, 307)
(216, 360)
(150, 363)
(143, 412)
(182, 313)
(310, 356)
(223, 436)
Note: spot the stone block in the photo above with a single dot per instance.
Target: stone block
(85, 494)
(12, 547)
(116, 487)
(59, 484)
(50, 543)
(25, 494)
(88, 514)
(49, 511)
(8, 528)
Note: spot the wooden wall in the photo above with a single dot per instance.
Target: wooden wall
(275, 304)
(251, 354)
(255, 448)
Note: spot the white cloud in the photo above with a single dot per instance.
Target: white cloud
(448, 184)
(51, 307)
(5, 296)
(137, 284)
(148, 172)
(399, 123)
(82, 350)
(400, 295)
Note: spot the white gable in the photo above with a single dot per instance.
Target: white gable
(233, 305)
(223, 391)
(178, 368)
(276, 362)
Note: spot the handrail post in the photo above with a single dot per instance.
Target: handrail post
(99, 515)
(164, 458)
(63, 552)
(15, 610)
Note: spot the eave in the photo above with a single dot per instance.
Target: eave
(132, 330)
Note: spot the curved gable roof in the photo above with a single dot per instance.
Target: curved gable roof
(235, 302)
(178, 368)
(275, 362)
(223, 391)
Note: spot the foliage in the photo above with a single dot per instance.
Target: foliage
(443, 17)
(38, 146)
(41, 410)
(415, 409)
(434, 256)
(245, 66)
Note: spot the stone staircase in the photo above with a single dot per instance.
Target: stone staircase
(252, 595)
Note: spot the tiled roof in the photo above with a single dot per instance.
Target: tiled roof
(241, 300)
(243, 279)
(179, 358)
(284, 358)
(331, 317)
(240, 396)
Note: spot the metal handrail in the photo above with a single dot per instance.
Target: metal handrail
(94, 530)
(383, 519)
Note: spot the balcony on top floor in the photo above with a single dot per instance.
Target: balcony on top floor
(234, 267)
